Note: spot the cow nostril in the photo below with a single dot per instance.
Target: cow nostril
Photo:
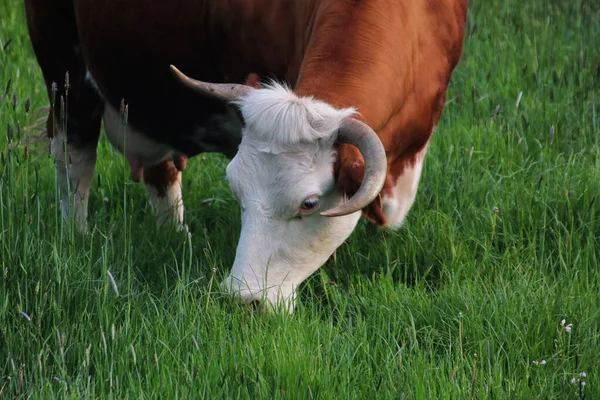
(255, 304)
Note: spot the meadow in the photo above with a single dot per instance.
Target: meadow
(490, 290)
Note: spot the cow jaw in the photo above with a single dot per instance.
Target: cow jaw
(275, 253)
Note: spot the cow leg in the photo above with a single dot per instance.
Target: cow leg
(76, 108)
(398, 203)
(74, 172)
(163, 183)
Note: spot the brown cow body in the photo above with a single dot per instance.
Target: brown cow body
(392, 60)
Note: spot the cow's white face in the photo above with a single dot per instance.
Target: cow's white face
(293, 216)
(282, 177)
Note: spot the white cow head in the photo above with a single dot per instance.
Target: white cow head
(293, 215)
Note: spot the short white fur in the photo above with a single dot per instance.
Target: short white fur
(397, 206)
(280, 120)
(168, 206)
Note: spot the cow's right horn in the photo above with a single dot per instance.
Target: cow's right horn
(223, 91)
(359, 134)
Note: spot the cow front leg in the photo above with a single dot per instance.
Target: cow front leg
(398, 202)
(163, 184)
(75, 166)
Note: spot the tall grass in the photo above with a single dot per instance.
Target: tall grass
(465, 301)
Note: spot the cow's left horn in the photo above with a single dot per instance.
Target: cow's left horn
(366, 140)
(224, 91)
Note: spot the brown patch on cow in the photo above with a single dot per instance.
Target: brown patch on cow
(213, 41)
(56, 44)
(349, 170)
(403, 100)
(180, 162)
(161, 176)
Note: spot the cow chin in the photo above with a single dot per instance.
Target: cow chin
(274, 257)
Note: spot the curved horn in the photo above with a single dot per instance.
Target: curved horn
(223, 91)
(359, 134)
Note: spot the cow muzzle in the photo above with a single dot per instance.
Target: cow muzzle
(274, 298)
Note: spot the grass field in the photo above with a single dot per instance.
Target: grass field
(465, 301)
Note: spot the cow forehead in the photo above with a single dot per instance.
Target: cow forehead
(286, 151)
(281, 180)
(278, 121)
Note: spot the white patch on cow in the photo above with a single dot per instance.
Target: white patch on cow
(397, 206)
(74, 174)
(285, 156)
(168, 206)
(131, 142)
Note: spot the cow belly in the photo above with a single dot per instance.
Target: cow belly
(139, 149)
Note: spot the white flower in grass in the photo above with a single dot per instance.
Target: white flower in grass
(24, 315)
(568, 328)
(543, 362)
(582, 383)
(573, 380)
(113, 283)
(583, 374)
(562, 322)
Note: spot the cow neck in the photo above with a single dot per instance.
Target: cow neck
(347, 60)
(387, 63)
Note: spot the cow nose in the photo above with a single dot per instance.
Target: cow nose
(231, 285)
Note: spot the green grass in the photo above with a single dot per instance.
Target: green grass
(457, 304)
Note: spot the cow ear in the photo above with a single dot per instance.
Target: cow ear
(253, 80)
(349, 170)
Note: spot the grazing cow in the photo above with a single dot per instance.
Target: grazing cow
(340, 128)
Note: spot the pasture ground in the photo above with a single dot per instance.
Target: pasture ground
(465, 301)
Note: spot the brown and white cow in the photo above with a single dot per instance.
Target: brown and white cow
(341, 129)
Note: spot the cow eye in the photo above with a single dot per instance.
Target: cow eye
(309, 204)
